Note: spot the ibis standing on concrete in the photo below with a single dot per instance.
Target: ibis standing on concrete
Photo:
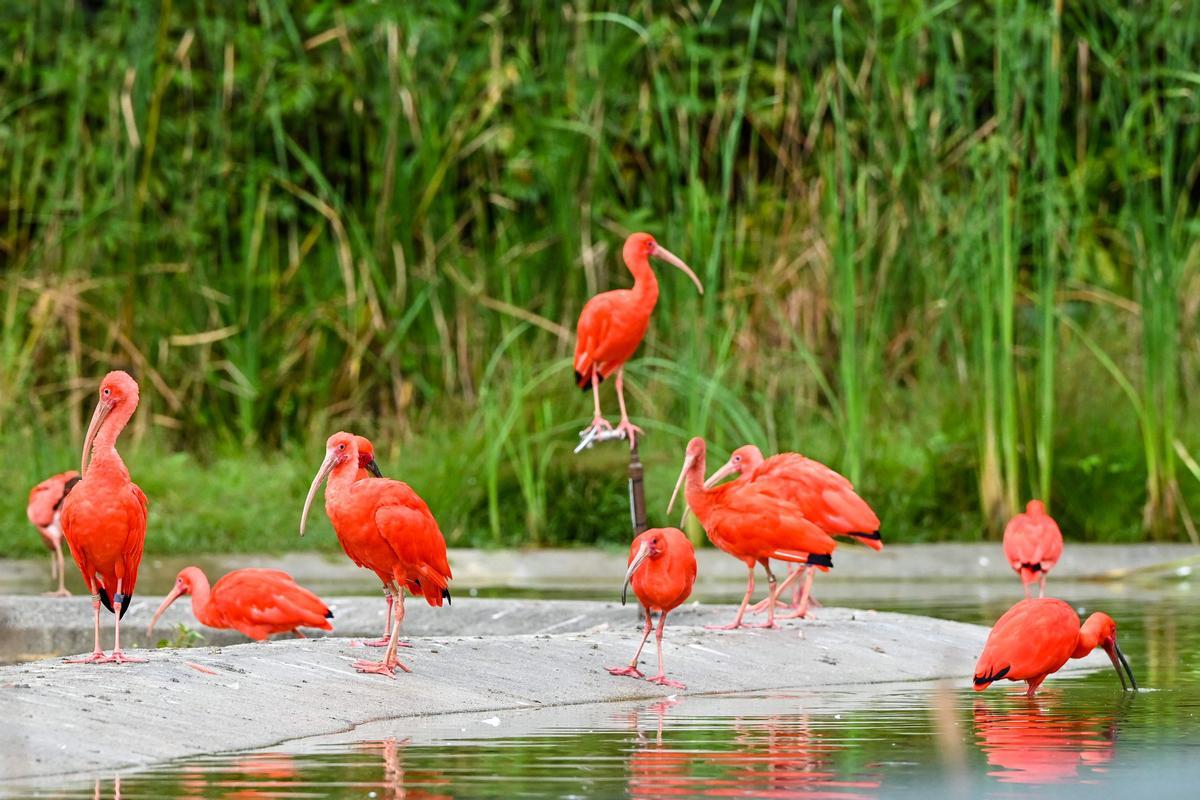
(1032, 545)
(825, 497)
(104, 515)
(45, 512)
(256, 602)
(662, 569)
(612, 325)
(1037, 636)
(753, 526)
(401, 540)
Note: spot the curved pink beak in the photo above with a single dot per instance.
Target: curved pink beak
(729, 468)
(326, 467)
(688, 460)
(642, 554)
(666, 255)
(102, 409)
(171, 598)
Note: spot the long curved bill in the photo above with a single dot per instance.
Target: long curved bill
(322, 474)
(642, 552)
(677, 262)
(102, 409)
(373, 468)
(1120, 662)
(728, 469)
(687, 463)
(171, 598)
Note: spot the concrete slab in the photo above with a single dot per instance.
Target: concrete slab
(69, 719)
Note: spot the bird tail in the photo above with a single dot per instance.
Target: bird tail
(107, 601)
(872, 540)
(822, 561)
(584, 379)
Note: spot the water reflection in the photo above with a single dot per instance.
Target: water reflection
(1035, 743)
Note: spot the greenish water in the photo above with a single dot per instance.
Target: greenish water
(1081, 735)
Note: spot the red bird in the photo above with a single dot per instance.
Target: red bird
(45, 512)
(752, 525)
(825, 497)
(256, 602)
(1032, 545)
(662, 568)
(104, 516)
(392, 529)
(612, 325)
(1037, 636)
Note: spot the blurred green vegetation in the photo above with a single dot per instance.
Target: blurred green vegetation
(950, 249)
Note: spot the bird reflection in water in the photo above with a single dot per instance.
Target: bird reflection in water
(1033, 743)
(401, 784)
(772, 757)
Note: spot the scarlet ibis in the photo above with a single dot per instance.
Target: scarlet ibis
(392, 531)
(368, 468)
(1032, 545)
(662, 569)
(45, 512)
(612, 325)
(256, 602)
(104, 515)
(1037, 636)
(825, 497)
(752, 525)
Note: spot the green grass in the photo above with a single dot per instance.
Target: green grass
(950, 249)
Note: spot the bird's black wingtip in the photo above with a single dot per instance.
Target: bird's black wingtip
(328, 614)
(820, 560)
(446, 596)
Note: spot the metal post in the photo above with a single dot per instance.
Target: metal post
(637, 494)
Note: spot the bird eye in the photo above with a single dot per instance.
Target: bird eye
(341, 447)
(107, 392)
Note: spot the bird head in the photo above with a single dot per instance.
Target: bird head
(744, 459)
(693, 455)
(366, 456)
(1035, 507)
(1102, 629)
(185, 582)
(117, 390)
(650, 544)
(340, 448)
(641, 246)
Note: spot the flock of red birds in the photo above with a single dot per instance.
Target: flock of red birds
(786, 508)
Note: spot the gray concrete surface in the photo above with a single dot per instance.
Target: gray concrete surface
(591, 570)
(63, 719)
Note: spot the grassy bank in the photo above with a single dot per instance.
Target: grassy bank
(949, 249)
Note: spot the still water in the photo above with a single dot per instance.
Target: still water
(1080, 736)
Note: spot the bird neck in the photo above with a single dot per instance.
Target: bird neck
(645, 284)
(201, 600)
(697, 496)
(104, 446)
(1089, 638)
(341, 478)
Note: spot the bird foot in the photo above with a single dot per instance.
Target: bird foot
(600, 424)
(795, 615)
(380, 667)
(758, 607)
(380, 642)
(119, 657)
(663, 680)
(733, 626)
(629, 430)
(763, 625)
(97, 657)
(57, 593)
(629, 672)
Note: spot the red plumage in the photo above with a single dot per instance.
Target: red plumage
(1033, 544)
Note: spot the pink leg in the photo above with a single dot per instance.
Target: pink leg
(390, 662)
(806, 597)
(1034, 683)
(661, 678)
(632, 670)
(118, 657)
(598, 420)
(631, 430)
(384, 640)
(1042, 585)
(772, 596)
(737, 621)
(97, 655)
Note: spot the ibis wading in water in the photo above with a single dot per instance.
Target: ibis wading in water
(45, 512)
(1037, 636)
(662, 569)
(104, 515)
(1032, 545)
(256, 602)
(825, 497)
(612, 325)
(753, 526)
(400, 539)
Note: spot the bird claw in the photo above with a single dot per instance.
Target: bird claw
(601, 430)
(57, 593)
(629, 431)
(763, 625)
(663, 680)
(628, 672)
(733, 626)
(119, 657)
(380, 667)
(97, 657)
